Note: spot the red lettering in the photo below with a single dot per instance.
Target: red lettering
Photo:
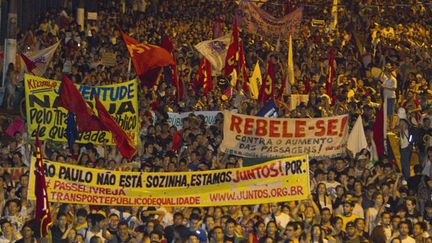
(299, 190)
(56, 184)
(331, 127)
(299, 129)
(235, 123)
(279, 192)
(285, 132)
(343, 124)
(321, 128)
(248, 126)
(274, 128)
(261, 127)
(293, 191)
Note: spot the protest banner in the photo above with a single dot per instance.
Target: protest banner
(176, 119)
(43, 111)
(255, 20)
(274, 181)
(109, 59)
(252, 136)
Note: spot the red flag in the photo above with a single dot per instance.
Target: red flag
(122, 140)
(146, 58)
(30, 65)
(329, 84)
(176, 82)
(217, 28)
(267, 87)
(228, 92)
(43, 215)
(378, 132)
(243, 77)
(233, 51)
(176, 142)
(288, 8)
(167, 44)
(204, 75)
(72, 100)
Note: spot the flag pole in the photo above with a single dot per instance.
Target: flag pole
(129, 69)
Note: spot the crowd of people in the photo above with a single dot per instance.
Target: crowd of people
(382, 52)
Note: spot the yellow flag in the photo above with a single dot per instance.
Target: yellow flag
(255, 82)
(290, 71)
(334, 13)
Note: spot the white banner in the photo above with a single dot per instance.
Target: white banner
(261, 137)
(176, 119)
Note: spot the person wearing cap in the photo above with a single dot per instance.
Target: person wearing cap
(347, 215)
(352, 235)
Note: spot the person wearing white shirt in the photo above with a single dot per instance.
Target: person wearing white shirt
(389, 90)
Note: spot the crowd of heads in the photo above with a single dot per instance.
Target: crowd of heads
(356, 198)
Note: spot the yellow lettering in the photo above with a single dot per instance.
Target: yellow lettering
(269, 84)
(139, 48)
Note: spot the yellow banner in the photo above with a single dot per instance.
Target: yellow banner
(43, 111)
(274, 181)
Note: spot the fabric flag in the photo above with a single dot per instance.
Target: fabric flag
(378, 132)
(258, 3)
(72, 100)
(329, 84)
(255, 81)
(243, 76)
(43, 215)
(17, 125)
(176, 142)
(267, 87)
(233, 79)
(146, 58)
(269, 110)
(199, 79)
(29, 64)
(167, 44)
(204, 76)
(37, 62)
(290, 66)
(217, 28)
(357, 138)
(215, 51)
(334, 12)
(121, 139)
(233, 51)
(176, 82)
(71, 129)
